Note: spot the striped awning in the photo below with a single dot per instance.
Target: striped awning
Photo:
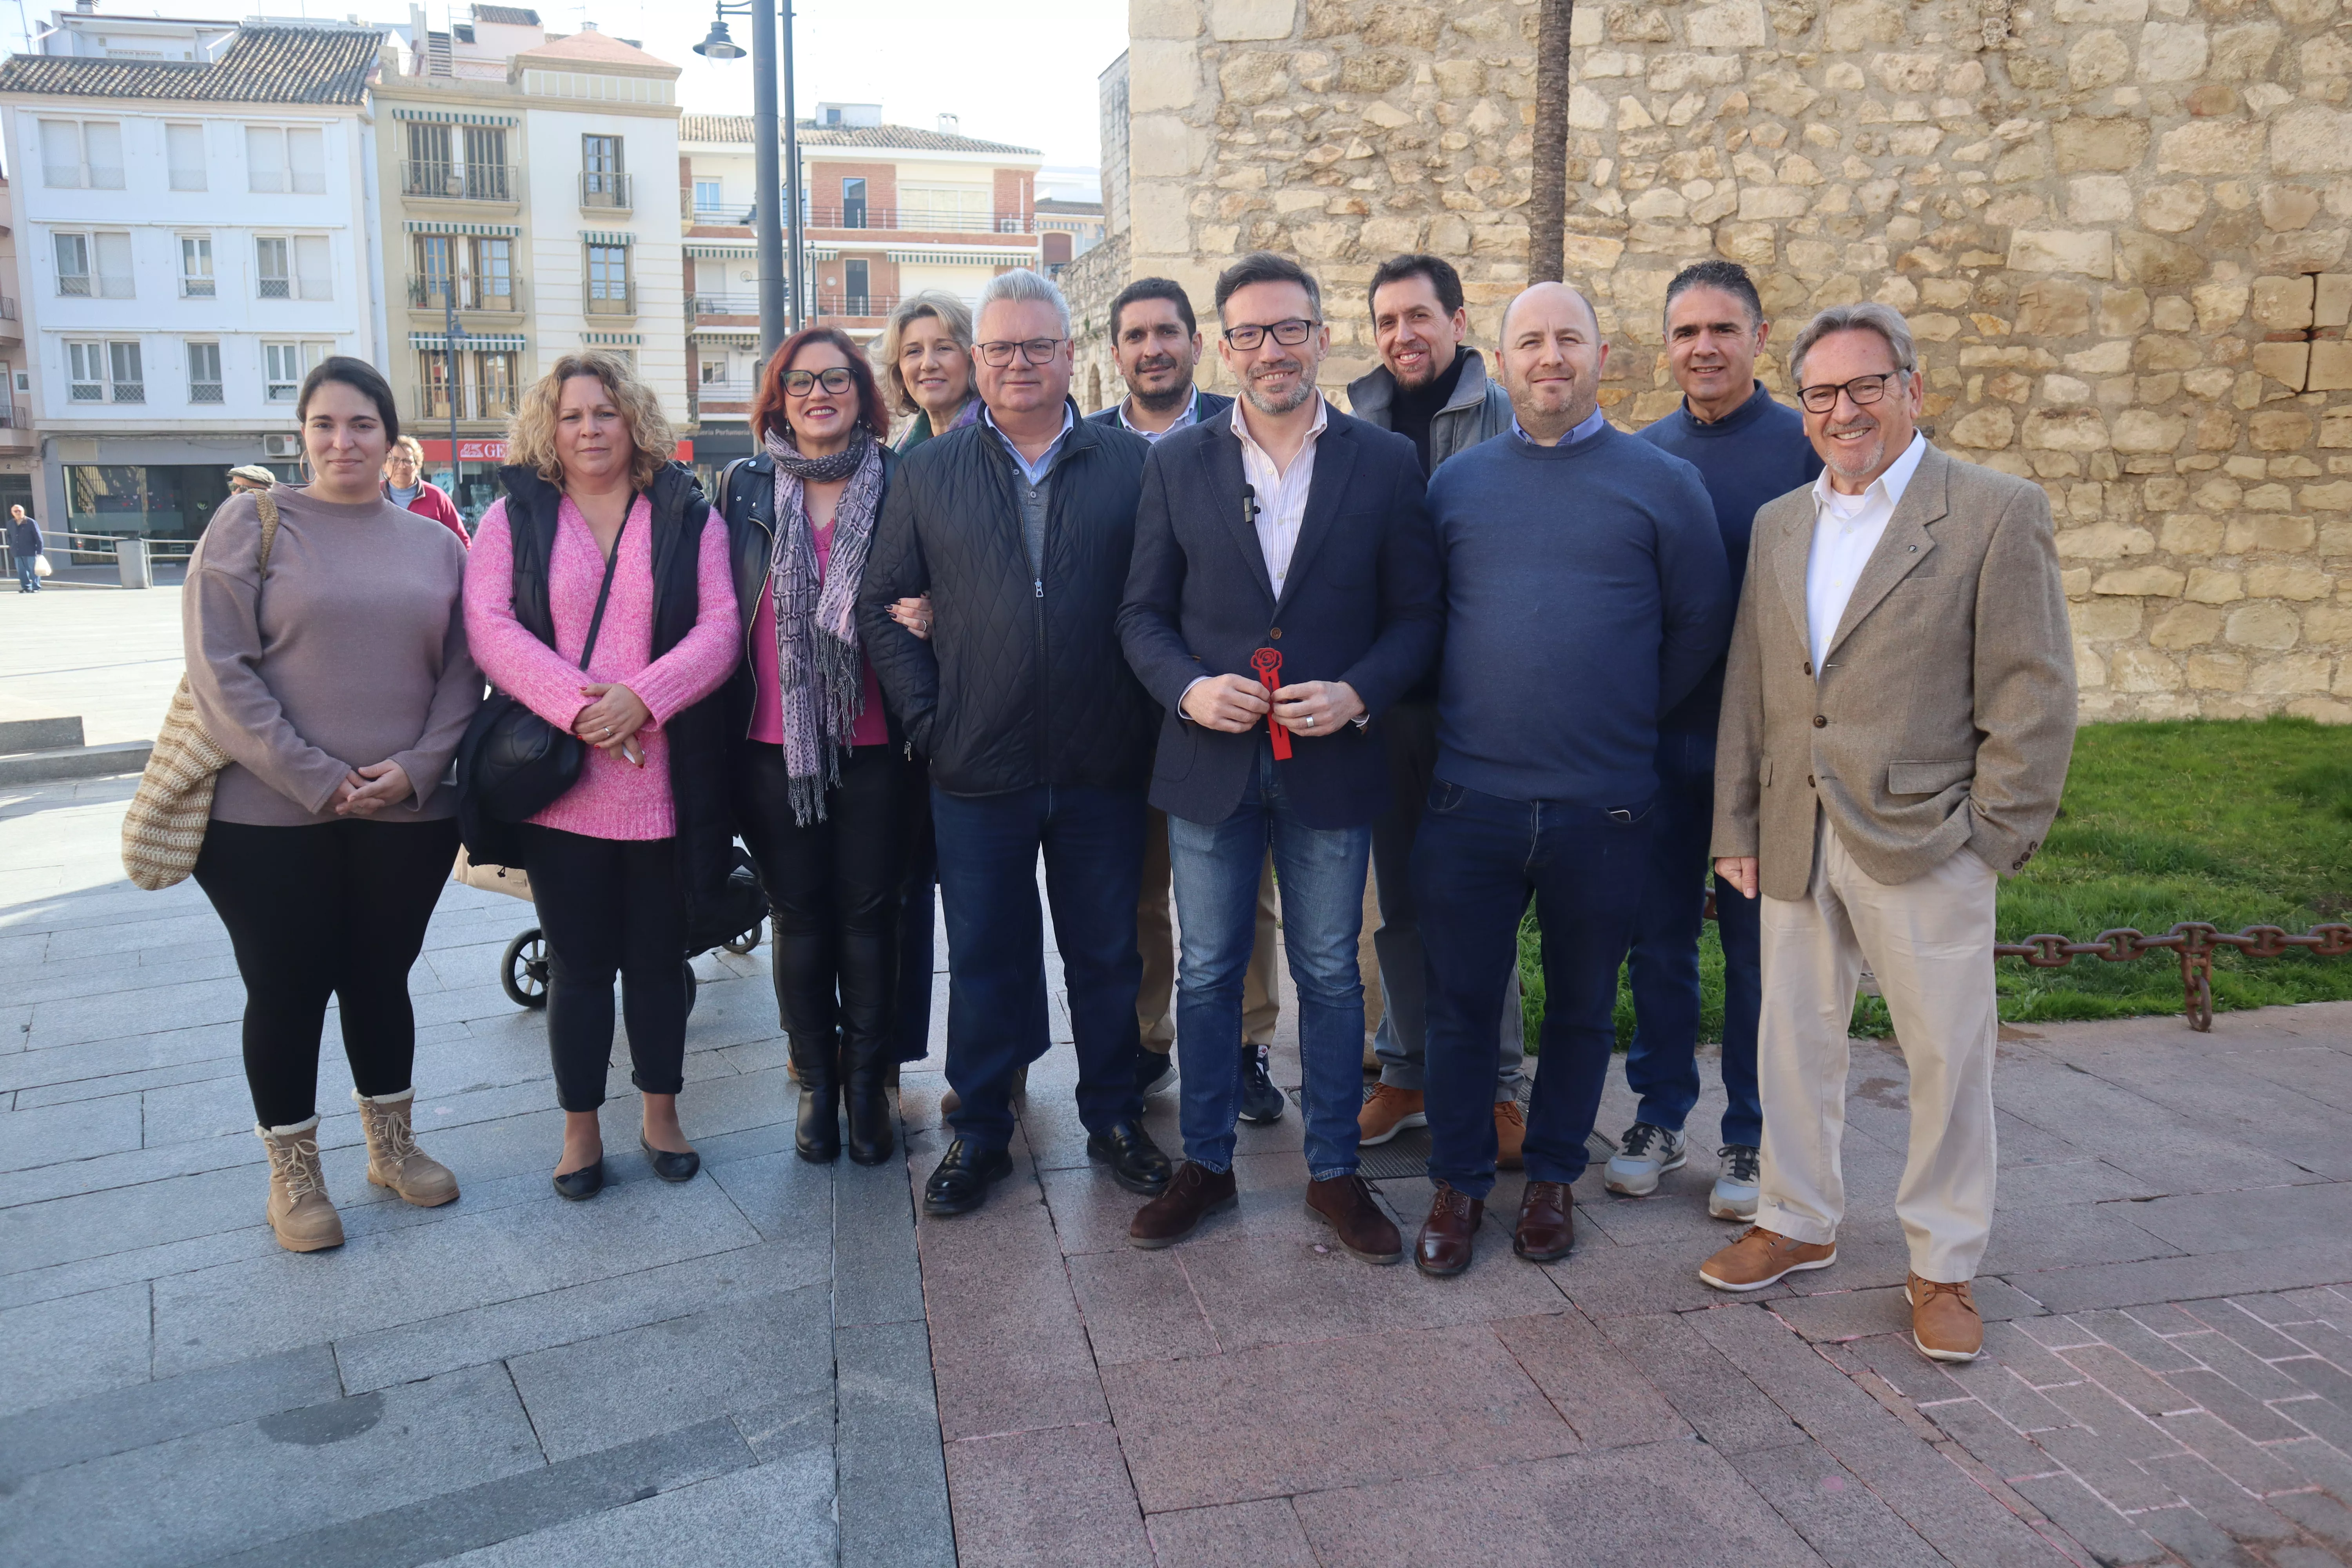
(613, 340)
(960, 256)
(489, 343)
(606, 236)
(451, 116)
(731, 337)
(487, 230)
(708, 252)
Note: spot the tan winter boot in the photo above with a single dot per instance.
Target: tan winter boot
(394, 1159)
(300, 1212)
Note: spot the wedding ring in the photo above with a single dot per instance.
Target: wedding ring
(1310, 720)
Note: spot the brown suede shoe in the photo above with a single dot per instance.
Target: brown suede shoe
(1193, 1193)
(1944, 1321)
(1760, 1257)
(1346, 1204)
(1510, 1135)
(1388, 1112)
(1547, 1230)
(1443, 1246)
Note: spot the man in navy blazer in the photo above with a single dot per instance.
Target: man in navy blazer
(1283, 591)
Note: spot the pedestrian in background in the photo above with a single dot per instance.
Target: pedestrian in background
(247, 478)
(25, 549)
(405, 484)
(327, 655)
(926, 357)
(819, 775)
(608, 547)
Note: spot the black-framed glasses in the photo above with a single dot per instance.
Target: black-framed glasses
(1289, 333)
(800, 383)
(1036, 350)
(1863, 389)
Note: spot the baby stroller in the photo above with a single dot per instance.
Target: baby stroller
(522, 971)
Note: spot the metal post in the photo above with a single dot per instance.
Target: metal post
(452, 334)
(792, 175)
(765, 218)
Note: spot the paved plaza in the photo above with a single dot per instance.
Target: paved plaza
(780, 1364)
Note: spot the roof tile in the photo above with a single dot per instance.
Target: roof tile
(265, 65)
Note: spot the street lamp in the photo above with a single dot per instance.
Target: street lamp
(776, 318)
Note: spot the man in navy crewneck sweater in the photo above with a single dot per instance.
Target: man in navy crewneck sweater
(1586, 594)
(1749, 449)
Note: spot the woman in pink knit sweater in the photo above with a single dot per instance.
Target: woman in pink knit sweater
(592, 496)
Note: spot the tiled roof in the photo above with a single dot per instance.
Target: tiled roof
(594, 48)
(265, 65)
(506, 15)
(906, 138)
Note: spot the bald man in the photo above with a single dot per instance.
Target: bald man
(1586, 594)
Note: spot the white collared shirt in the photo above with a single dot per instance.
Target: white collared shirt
(1281, 493)
(1846, 531)
(1036, 472)
(1191, 415)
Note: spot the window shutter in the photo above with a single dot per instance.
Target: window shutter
(305, 160)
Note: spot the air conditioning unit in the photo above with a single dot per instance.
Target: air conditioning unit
(282, 446)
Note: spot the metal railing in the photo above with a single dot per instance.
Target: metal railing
(432, 293)
(458, 181)
(723, 305)
(731, 215)
(856, 306)
(198, 287)
(605, 190)
(7, 309)
(205, 391)
(725, 391)
(919, 220)
(610, 298)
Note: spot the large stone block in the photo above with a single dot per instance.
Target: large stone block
(2147, 430)
(1985, 429)
(2074, 12)
(2185, 626)
(1162, 19)
(2288, 364)
(2334, 497)
(2331, 367)
(2145, 669)
(2150, 581)
(1161, 75)
(2105, 541)
(1858, 24)
(2288, 580)
(2311, 138)
(1240, 21)
(2278, 430)
(2211, 147)
(2212, 586)
(1254, 76)
(2157, 262)
(2065, 430)
(1681, 72)
(2085, 251)
(2242, 53)
(2053, 308)
(2172, 51)
(2087, 145)
(1732, 24)
(2265, 625)
(2295, 673)
(2098, 59)
(2105, 620)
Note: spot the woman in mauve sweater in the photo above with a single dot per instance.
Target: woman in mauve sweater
(337, 681)
(591, 477)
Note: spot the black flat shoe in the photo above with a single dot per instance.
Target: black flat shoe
(1261, 1101)
(1135, 1160)
(671, 1167)
(961, 1181)
(584, 1184)
(1152, 1068)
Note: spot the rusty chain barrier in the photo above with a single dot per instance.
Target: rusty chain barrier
(2194, 941)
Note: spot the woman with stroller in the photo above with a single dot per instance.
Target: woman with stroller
(609, 550)
(822, 781)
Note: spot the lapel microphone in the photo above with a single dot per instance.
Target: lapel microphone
(1249, 504)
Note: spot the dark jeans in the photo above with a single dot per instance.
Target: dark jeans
(335, 908)
(610, 906)
(1662, 1067)
(1093, 843)
(919, 913)
(834, 887)
(1320, 874)
(1478, 858)
(28, 581)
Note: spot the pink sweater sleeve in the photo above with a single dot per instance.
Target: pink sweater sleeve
(705, 657)
(510, 657)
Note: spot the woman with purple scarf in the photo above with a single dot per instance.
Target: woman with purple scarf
(820, 778)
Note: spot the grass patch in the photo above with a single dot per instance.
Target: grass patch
(2238, 822)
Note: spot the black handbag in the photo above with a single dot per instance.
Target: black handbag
(515, 763)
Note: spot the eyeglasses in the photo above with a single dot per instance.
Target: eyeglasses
(1863, 390)
(1289, 333)
(1036, 350)
(800, 383)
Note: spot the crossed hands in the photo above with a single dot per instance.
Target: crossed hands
(610, 722)
(1235, 702)
(368, 790)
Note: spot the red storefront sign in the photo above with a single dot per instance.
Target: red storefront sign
(491, 449)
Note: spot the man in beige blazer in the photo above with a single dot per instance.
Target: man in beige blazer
(1898, 710)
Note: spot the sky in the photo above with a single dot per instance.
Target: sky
(1032, 84)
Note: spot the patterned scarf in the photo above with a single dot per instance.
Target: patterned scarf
(820, 667)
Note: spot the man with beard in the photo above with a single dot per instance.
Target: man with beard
(1157, 342)
(1898, 712)
(1431, 388)
(1586, 594)
(1283, 591)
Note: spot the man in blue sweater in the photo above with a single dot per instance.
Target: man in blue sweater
(1586, 594)
(1748, 450)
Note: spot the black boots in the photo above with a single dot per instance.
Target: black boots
(838, 1070)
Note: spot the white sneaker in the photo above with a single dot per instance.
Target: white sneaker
(1733, 1196)
(1644, 1154)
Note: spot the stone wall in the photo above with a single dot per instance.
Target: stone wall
(2119, 228)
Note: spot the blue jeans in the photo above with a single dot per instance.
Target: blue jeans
(1478, 859)
(988, 848)
(28, 580)
(1662, 1067)
(1320, 874)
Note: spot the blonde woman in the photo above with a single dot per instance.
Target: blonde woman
(601, 536)
(927, 364)
(405, 485)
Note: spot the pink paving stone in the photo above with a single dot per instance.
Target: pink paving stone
(1281, 1419)
(1678, 1503)
(1267, 1291)
(1262, 1534)
(1043, 1500)
(1138, 1306)
(1596, 1389)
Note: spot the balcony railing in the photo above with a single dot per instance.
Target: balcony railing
(725, 391)
(459, 182)
(721, 214)
(723, 305)
(496, 295)
(204, 392)
(920, 219)
(7, 309)
(605, 190)
(473, 403)
(611, 298)
(196, 288)
(856, 306)
(129, 391)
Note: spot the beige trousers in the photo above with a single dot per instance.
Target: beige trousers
(1929, 942)
(1155, 939)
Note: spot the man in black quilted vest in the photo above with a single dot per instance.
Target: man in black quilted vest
(1019, 526)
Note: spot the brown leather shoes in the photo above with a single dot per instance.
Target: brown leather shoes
(1547, 1230)
(1443, 1246)
(1346, 1204)
(1944, 1320)
(1193, 1193)
(1760, 1257)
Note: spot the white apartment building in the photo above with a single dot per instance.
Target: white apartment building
(194, 231)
